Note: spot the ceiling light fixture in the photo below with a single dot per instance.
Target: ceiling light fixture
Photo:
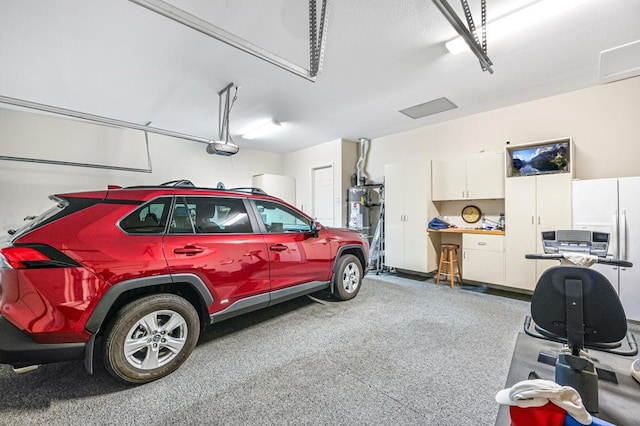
(516, 20)
(262, 130)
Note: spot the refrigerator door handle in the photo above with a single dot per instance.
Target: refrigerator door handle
(614, 236)
(623, 235)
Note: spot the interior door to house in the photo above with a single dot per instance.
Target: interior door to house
(322, 181)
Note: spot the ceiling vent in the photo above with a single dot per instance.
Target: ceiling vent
(429, 108)
(620, 62)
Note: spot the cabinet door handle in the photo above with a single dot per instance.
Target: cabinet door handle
(482, 243)
(532, 220)
(538, 220)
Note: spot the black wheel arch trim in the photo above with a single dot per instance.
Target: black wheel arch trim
(341, 251)
(339, 254)
(100, 312)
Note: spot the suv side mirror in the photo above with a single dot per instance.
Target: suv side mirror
(315, 228)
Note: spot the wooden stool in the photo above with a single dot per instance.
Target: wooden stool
(449, 258)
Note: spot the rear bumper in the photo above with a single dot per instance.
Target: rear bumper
(18, 349)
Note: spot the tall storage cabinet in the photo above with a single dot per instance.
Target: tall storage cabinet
(408, 208)
(533, 204)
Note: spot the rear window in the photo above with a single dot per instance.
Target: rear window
(63, 207)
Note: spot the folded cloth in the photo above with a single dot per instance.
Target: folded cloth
(581, 259)
(437, 223)
(547, 415)
(538, 392)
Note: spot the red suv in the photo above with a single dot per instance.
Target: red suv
(147, 268)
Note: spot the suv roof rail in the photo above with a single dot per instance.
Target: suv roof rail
(249, 189)
(179, 183)
(187, 184)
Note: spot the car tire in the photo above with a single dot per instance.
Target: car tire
(348, 277)
(150, 338)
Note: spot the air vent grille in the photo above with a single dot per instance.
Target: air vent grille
(620, 62)
(429, 108)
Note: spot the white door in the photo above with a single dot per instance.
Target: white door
(485, 175)
(449, 179)
(630, 245)
(520, 238)
(323, 195)
(553, 208)
(417, 181)
(394, 217)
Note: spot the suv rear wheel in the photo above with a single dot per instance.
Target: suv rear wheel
(348, 277)
(150, 338)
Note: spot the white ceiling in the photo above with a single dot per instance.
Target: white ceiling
(116, 59)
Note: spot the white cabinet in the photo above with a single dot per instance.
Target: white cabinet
(408, 208)
(533, 204)
(283, 187)
(475, 176)
(483, 258)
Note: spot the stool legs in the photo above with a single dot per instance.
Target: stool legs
(452, 269)
(449, 262)
(442, 256)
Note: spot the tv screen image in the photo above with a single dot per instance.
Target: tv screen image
(541, 159)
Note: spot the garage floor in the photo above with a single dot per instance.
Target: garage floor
(404, 352)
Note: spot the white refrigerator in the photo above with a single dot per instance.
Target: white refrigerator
(613, 206)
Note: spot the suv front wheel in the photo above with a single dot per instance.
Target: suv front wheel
(150, 338)
(348, 277)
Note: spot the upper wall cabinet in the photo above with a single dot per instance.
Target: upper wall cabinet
(474, 176)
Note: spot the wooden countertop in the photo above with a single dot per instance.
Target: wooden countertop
(466, 231)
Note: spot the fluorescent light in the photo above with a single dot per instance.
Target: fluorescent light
(262, 130)
(515, 21)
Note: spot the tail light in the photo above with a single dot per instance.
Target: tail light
(34, 256)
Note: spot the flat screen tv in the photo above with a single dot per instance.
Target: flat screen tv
(540, 159)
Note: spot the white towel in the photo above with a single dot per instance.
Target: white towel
(581, 259)
(538, 392)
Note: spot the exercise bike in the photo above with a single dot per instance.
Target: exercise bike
(579, 307)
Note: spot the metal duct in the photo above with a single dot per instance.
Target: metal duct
(360, 164)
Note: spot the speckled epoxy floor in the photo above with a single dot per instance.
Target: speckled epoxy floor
(404, 352)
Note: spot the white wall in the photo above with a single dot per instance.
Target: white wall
(301, 163)
(24, 187)
(603, 121)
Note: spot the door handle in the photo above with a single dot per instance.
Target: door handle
(623, 235)
(278, 247)
(189, 250)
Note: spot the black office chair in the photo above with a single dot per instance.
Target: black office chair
(579, 307)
